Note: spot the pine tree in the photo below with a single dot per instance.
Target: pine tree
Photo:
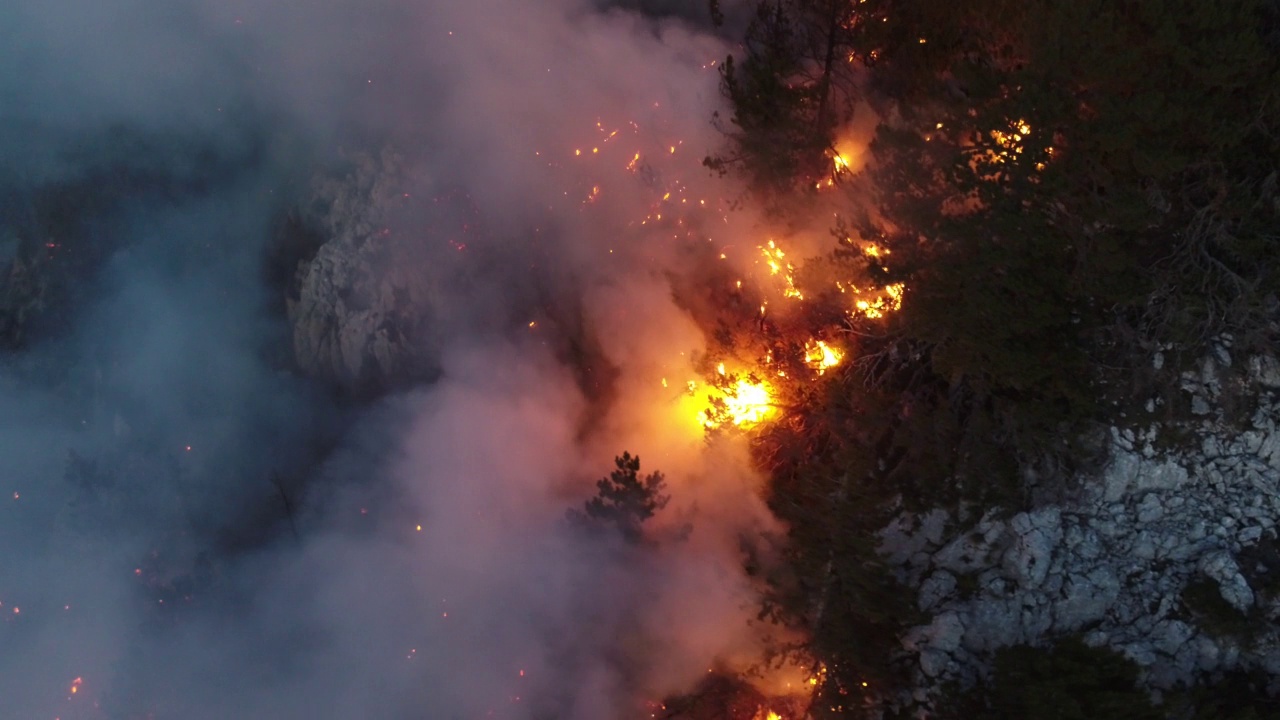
(624, 500)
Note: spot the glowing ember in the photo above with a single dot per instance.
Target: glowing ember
(748, 403)
(889, 301)
(737, 401)
(874, 251)
(821, 356)
(1011, 140)
(75, 685)
(774, 258)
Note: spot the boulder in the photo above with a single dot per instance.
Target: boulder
(1221, 567)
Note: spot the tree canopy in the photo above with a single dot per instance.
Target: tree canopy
(1063, 190)
(624, 500)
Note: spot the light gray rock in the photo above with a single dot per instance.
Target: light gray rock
(1122, 438)
(1220, 567)
(1207, 652)
(1036, 621)
(936, 588)
(1269, 449)
(947, 632)
(1121, 471)
(1168, 475)
(1209, 374)
(944, 634)
(1036, 535)
(366, 307)
(1116, 557)
(1128, 471)
(1140, 653)
(909, 535)
(963, 555)
(1096, 638)
(1265, 371)
(1170, 635)
(1199, 405)
(1221, 355)
(933, 663)
(1144, 546)
(991, 624)
(1150, 508)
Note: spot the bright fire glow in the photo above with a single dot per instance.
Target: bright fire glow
(774, 257)
(874, 251)
(735, 401)
(821, 356)
(1011, 143)
(847, 156)
(1018, 130)
(889, 301)
(748, 403)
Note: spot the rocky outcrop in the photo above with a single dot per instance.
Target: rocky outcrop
(364, 308)
(1169, 557)
(22, 290)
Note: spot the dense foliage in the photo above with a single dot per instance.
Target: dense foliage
(1064, 189)
(1069, 681)
(624, 500)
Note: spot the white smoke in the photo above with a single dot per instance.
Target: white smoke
(426, 569)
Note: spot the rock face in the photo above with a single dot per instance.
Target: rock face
(22, 290)
(365, 307)
(356, 325)
(1170, 557)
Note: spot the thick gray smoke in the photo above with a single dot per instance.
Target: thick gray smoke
(190, 528)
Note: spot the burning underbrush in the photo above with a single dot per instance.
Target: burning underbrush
(764, 316)
(728, 697)
(577, 285)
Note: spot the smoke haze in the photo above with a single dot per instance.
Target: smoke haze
(191, 530)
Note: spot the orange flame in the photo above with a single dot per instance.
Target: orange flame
(821, 356)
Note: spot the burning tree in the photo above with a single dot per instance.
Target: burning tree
(789, 92)
(1055, 191)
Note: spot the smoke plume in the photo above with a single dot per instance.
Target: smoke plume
(192, 528)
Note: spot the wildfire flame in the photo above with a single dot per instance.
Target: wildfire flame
(821, 356)
(748, 403)
(874, 251)
(738, 401)
(889, 301)
(774, 258)
(1011, 140)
